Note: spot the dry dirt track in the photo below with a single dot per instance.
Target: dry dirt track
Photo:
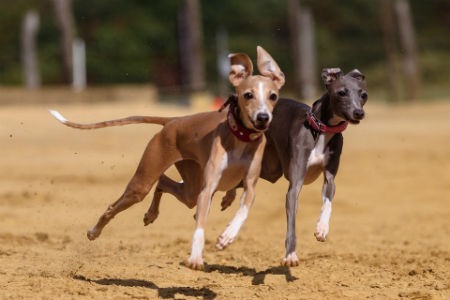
(390, 230)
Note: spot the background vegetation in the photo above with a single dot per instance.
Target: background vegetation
(136, 41)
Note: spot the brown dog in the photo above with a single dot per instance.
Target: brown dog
(221, 148)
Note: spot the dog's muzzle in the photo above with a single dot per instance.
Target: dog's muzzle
(357, 115)
(262, 121)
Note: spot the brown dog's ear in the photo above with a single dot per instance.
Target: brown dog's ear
(331, 74)
(241, 67)
(355, 73)
(268, 67)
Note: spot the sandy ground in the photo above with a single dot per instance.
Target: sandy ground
(390, 229)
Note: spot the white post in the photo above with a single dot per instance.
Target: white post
(30, 26)
(79, 64)
(223, 64)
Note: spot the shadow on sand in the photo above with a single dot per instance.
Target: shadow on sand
(204, 292)
(258, 277)
(165, 293)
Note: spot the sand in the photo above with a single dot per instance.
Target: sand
(390, 228)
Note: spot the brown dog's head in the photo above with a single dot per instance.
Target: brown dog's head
(257, 94)
(348, 93)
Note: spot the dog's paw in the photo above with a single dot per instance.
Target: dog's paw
(93, 234)
(291, 260)
(195, 263)
(224, 241)
(322, 230)
(228, 199)
(150, 217)
(227, 237)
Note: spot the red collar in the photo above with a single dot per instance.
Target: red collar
(235, 124)
(319, 126)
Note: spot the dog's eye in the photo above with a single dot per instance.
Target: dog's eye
(248, 96)
(273, 97)
(364, 96)
(342, 93)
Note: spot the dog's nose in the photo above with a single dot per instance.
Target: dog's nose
(358, 114)
(262, 117)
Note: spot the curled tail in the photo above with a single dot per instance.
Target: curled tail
(117, 122)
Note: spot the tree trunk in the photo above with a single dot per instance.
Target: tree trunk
(293, 7)
(408, 42)
(30, 66)
(307, 53)
(65, 21)
(191, 48)
(301, 28)
(390, 48)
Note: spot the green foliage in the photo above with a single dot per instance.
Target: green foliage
(136, 40)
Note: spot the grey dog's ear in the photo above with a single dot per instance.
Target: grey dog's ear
(241, 67)
(331, 74)
(355, 73)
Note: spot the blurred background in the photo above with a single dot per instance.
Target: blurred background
(180, 47)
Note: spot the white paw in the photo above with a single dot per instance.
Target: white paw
(226, 238)
(195, 263)
(322, 230)
(291, 260)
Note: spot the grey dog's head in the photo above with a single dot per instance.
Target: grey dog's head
(347, 93)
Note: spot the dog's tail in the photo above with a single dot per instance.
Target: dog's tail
(116, 122)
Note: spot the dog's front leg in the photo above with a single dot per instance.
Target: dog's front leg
(231, 231)
(246, 201)
(334, 150)
(291, 258)
(296, 175)
(213, 173)
(323, 224)
(195, 260)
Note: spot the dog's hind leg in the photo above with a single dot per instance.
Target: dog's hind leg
(185, 191)
(153, 211)
(228, 198)
(154, 162)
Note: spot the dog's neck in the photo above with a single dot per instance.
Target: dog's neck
(321, 108)
(235, 123)
(323, 119)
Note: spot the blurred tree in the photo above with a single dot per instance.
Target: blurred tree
(64, 16)
(387, 22)
(191, 46)
(293, 13)
(302, 41)
(307, 53)
(409, 47)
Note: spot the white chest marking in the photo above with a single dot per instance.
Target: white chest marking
(236, 156)
(318, 156)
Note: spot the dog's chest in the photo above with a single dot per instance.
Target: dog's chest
(317, 156)
(239, 161)
(236, 165)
